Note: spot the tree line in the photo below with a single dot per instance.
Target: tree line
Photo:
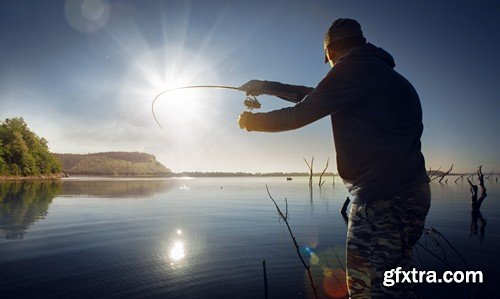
(22, 152)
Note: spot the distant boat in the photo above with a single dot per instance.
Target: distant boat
(288, 178)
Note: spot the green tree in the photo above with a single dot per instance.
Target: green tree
(22, 152)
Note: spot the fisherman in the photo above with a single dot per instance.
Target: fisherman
(377, 124)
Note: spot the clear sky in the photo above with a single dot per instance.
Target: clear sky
(83, 74)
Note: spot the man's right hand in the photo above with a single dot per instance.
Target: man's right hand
(244, 120)
(253, 87)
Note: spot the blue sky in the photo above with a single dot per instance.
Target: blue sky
(83, 75)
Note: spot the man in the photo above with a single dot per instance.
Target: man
(377, 124)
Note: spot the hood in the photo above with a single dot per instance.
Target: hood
(368, 51)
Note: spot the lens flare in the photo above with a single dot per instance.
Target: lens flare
(86, 15)
(314, 259)
(334, 283)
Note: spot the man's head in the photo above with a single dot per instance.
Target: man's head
(342, 36)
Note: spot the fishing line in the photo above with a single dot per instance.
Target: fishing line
(253, 103)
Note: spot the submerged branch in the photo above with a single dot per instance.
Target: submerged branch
(342, 285)
(297, 248)
(321, 182)
(435, 231)
(338, 259)
(343, 211)
(460, 177)
(437, 244)
(436, 256)
(491, 173)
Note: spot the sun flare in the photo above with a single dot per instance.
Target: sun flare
(167, 68)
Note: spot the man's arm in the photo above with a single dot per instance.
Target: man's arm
(291, 93)
(340, 88)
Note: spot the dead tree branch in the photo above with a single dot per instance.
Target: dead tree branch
(343, 211)
(475, 201)
(446, 173)
(306, 266)
(480, 178)
(491, 173)
(310, 166)
(460, 177)
(473, 190)
(321, 182)
(434, 175)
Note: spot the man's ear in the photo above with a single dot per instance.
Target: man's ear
(329, 53)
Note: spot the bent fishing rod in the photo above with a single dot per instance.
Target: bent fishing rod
(250, 102)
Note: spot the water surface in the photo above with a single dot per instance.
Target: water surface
(207, 238)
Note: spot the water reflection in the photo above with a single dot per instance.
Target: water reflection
(110, 188)
(177, 251)
(477, 224)
(23, 203)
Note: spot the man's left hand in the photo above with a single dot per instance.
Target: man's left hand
(253, 87)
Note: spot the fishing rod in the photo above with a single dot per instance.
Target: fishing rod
(250, 102)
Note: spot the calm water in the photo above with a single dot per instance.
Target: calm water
(207, 238)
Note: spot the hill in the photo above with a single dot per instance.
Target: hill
(112, 163)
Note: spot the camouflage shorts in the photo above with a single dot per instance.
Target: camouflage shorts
(381, 236)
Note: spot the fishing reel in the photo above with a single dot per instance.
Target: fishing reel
(251, 103)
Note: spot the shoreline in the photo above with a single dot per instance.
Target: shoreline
(63, 175)
(41, 177)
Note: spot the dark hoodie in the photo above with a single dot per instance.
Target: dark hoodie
(376, 118)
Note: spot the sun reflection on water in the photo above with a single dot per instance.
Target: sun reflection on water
(177, 252)
(176, 249)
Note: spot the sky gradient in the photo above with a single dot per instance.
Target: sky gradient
(83, 75)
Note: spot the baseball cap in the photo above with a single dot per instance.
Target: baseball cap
(342, 29)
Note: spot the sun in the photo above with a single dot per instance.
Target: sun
(166, 69)
(183, 105)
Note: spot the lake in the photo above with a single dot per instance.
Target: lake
(207, 237)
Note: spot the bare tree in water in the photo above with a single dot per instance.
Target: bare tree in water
(478, 222)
